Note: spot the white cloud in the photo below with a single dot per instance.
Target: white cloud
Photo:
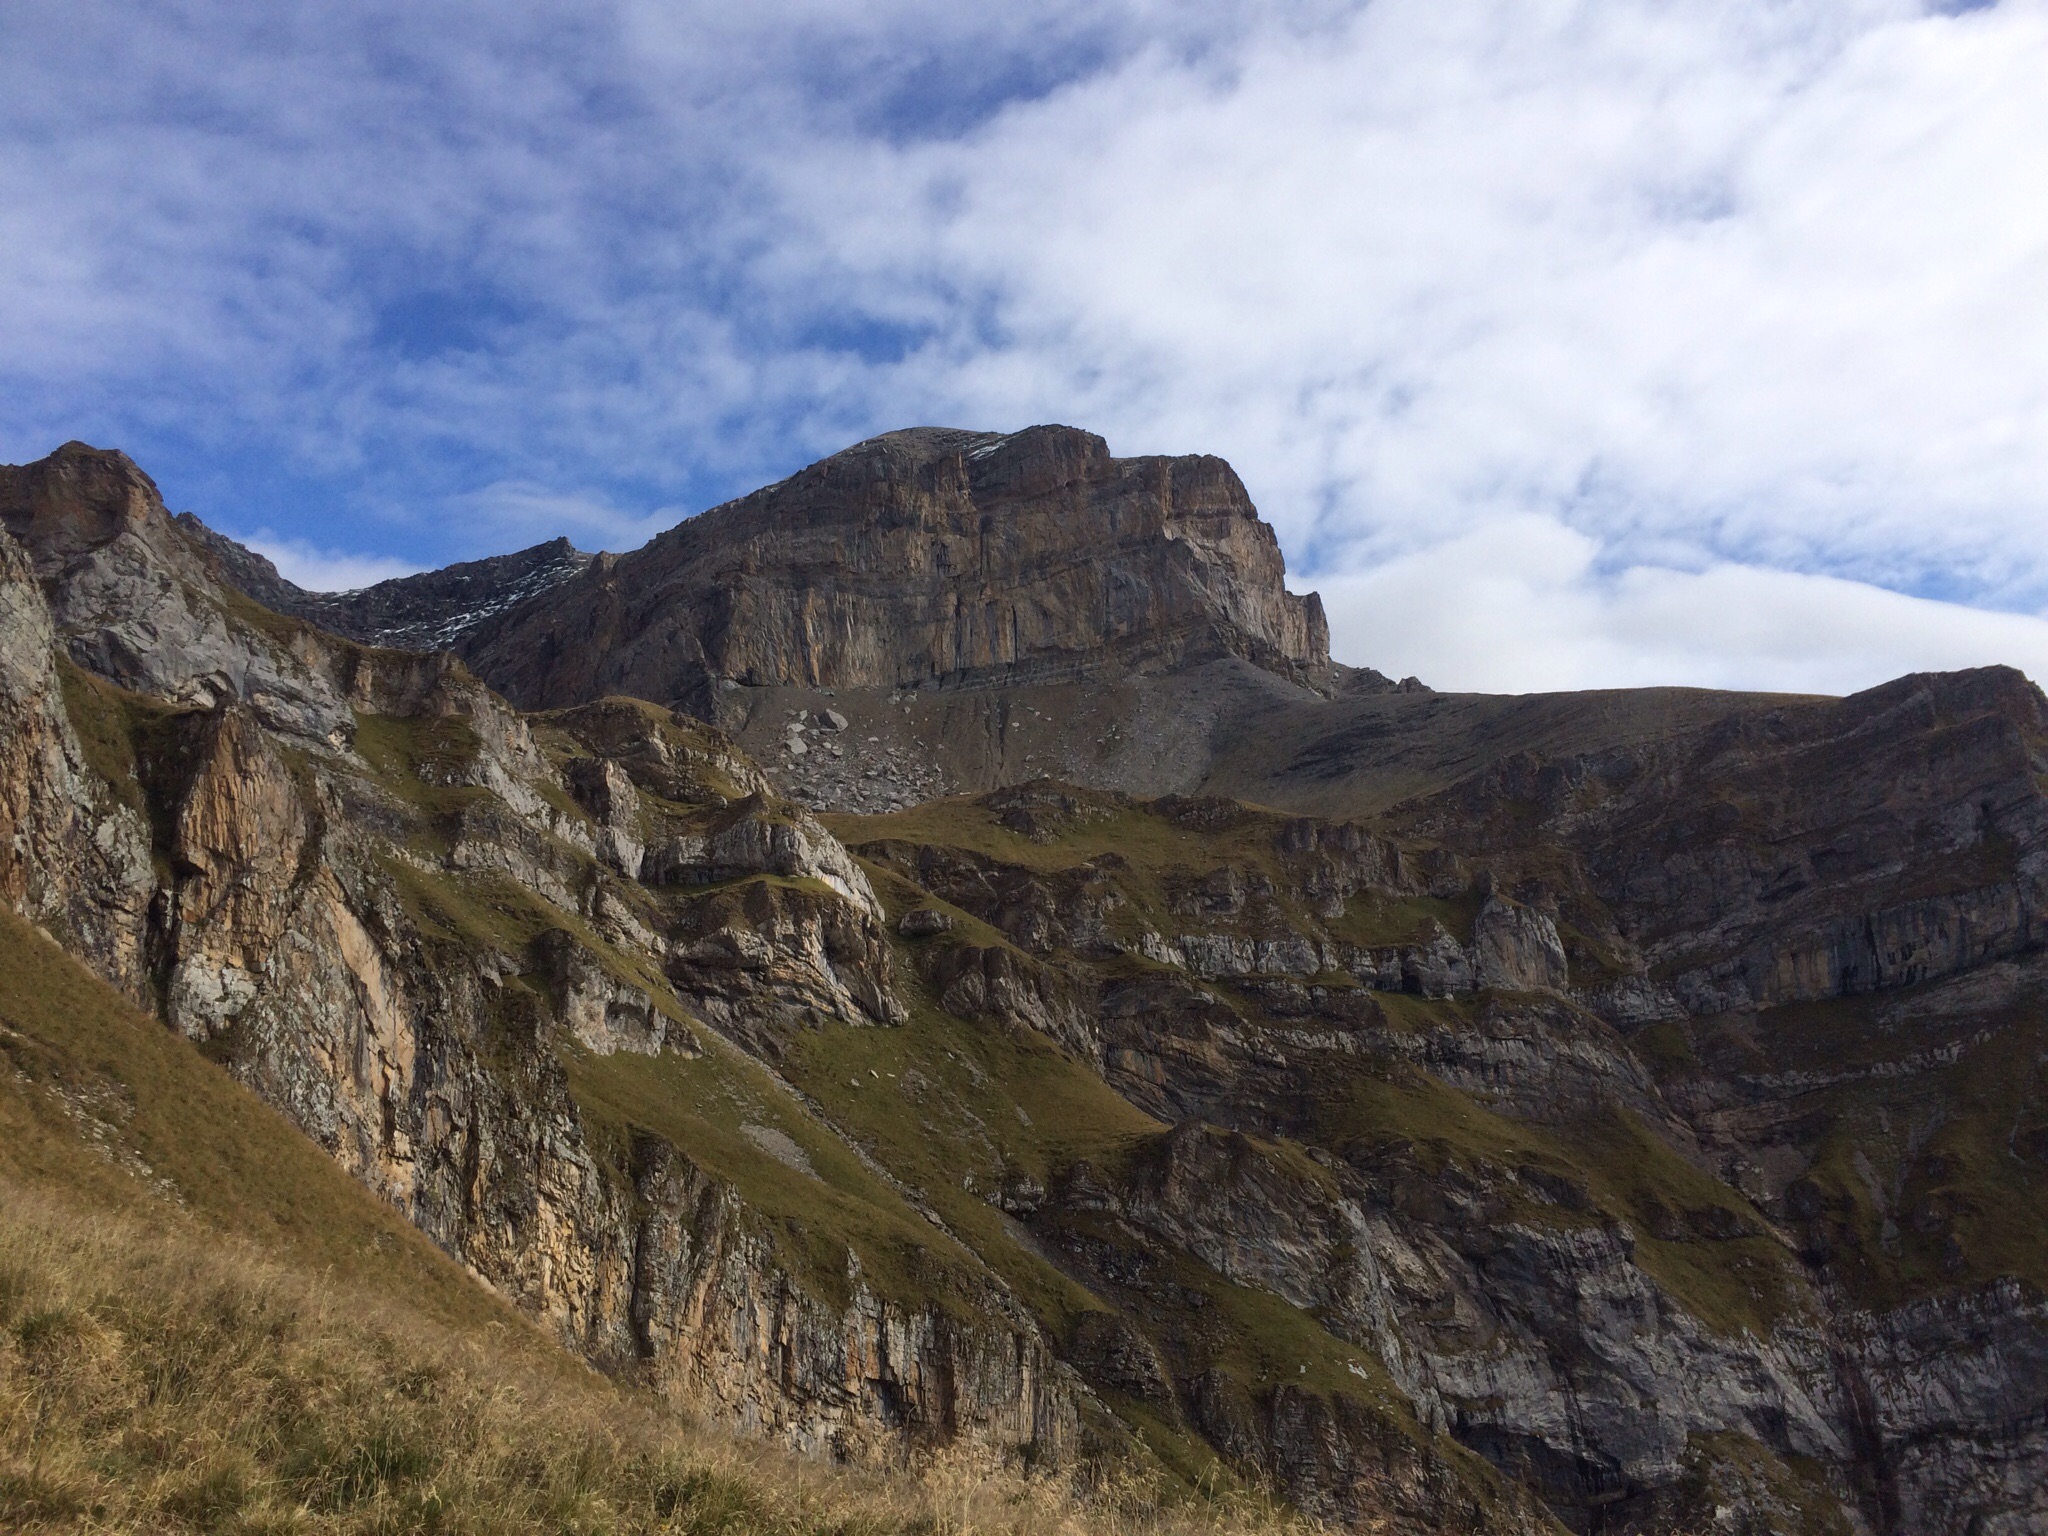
(325, 570)
(1747, 282)
(1520, 606)
(1715, 286)
(514, 514)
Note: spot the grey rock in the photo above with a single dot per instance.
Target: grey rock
(923, 922)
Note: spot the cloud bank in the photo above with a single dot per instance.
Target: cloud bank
(1522, 606)
(1565, 344)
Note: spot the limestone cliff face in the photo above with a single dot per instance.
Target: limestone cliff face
(135, 602)
(921, 556)
(73, 856)
(240, 836)
(1800, 850)
(1504, 1200)
(411, 931)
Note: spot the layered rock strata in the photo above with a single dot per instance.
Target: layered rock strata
(411, 934)
(923, 556)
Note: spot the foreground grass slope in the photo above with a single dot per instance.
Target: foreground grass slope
(205, 1325)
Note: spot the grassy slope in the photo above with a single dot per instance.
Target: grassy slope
(99, 1097)
(204, 1325)
(1153, 857)
(1735, 1283)
(713, 1108)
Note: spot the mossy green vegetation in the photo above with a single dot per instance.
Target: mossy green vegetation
(1922, 1120)
(417, 754)
(1722, 1469)
(955, 1110)
(690, 761)
(136, 745)
(1694, 1235)
(1374, 919)
(488, 911)
(963, 1113)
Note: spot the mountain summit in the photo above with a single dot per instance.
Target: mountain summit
(924, 556)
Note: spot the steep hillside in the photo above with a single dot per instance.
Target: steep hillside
(1138, 1043)
(534, 981)
(205, 1325)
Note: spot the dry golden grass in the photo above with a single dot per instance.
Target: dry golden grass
(156, 1376)
(205, 1325)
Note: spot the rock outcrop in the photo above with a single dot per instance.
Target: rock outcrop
(74, 854)
(923, 556)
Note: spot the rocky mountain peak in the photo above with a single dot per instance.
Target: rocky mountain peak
(76, 500)
(921, 556)
(425, 612)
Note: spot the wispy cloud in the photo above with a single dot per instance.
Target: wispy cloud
(325, 570)
(517, 513)
(1708, 287)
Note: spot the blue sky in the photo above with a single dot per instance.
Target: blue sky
(1565, 344)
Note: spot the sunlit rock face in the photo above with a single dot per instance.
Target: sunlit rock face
(921, 556)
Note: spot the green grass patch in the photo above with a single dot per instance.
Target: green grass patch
(137, 745)
(703, 1107)
(489, 910)
(954, 1109)
(1374, 919)
(417, 754)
